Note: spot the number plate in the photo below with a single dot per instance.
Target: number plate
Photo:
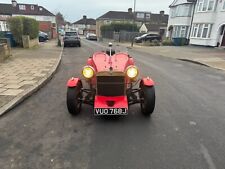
(112, 111)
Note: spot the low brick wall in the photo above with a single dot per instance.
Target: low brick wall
(28, 43)
(5, 51)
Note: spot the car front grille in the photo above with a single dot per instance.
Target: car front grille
(110, 85)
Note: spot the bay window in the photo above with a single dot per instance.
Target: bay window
(180, 31)
(205, 5)
(201, 31)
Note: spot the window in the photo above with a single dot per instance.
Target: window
(195, 30)
(140, 15)
(32, 7)
(211, 4)
(148, 15)
(201, 30)
(183, 10)
(200, 5)
(205, 5)
(22, 7)
(224, 5)
(180, 31)
(0, 27)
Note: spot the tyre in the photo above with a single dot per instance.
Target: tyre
(147, 95)
(79, 45)
(65, 45)
(73, 99)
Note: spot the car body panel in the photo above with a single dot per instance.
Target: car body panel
(111, 102)
(147, 82)
(73, 82)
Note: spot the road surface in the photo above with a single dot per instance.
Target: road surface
(185, 132)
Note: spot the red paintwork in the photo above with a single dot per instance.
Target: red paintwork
(148, 82)
(102, 62)
(73, 82)
(119, 102)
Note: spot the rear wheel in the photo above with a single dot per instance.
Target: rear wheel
(73, 99)
(147, 96)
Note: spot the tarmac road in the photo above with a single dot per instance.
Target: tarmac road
(185, 132)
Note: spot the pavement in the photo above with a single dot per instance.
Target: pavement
(25, 72)
(208, 56)
(186, 130)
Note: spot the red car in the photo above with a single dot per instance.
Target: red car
(111, 79)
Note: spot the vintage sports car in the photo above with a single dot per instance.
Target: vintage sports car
(111, 79)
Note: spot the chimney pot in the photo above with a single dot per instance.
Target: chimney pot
(14, 3)
(130, 10)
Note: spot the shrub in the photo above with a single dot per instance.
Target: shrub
(117, 27)
(30, 27)
(167, 43)
(23, 26)
(16, 27)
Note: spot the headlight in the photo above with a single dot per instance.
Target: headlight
(132, 72)
(88, 72)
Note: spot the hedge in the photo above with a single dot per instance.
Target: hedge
(23, 26)
(117, 27)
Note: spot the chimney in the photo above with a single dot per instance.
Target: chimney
(130, 10)
(84, 17)
(162, 13)
(14, 3)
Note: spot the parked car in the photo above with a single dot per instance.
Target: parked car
(112, 86)
(147, 37)
(43, 36)
(71, 38)
(91, 36)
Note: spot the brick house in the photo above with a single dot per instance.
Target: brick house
(47, 20)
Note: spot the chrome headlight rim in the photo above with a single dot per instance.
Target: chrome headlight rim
(135, 73)
(92, 73)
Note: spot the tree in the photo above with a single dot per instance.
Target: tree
(60, 19)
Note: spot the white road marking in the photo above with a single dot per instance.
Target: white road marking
(207, 157)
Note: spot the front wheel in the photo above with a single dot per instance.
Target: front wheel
(147, 96)
(74, 97)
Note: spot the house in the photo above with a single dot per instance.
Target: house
(156, 23)
(113, 16)
(203, 26)
(139, 17)
(47, 20)
(85, 25)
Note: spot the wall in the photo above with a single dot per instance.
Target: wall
(5, 51)
(28, 43)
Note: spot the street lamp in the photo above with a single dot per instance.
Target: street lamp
(192, 18)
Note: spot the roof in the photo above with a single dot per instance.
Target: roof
(87, 21)
(152, 27)
(31, 9)
(179, 2)
(5, 9)
(117, 15)
(159, 18)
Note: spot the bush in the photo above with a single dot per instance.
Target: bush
(167, 43)
(16, 27)
(117, 27)
(23, 26)
(30, 27)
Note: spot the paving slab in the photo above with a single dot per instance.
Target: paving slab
(27, 71)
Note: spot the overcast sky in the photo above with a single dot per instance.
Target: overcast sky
(73, 10)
